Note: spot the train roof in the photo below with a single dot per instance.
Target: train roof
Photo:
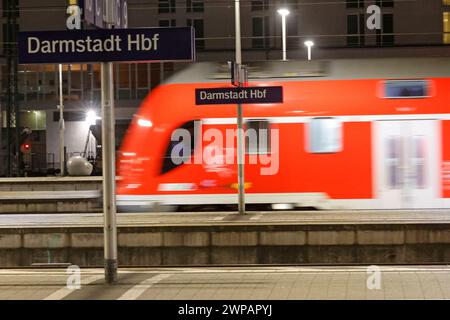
(302, 70)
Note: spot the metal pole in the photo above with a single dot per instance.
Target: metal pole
(283, 19)
(61, 123)
(9, 108)
(12, 111)
(109, 172)
(237, 13)
(309, 52)
(240, 134)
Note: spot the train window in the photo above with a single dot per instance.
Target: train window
(406, 89)
(324, 135)
(418, 161)
(181, 146)
(257, 137)
(393, 162)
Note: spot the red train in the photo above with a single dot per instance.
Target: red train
(350, 134)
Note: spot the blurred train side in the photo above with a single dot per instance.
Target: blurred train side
(375, 166)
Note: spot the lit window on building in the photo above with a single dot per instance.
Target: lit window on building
(446, 27)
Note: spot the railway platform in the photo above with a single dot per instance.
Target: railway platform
(258, 238)
(227, 283)
(50, 194)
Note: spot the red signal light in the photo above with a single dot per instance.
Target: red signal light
(25, 148)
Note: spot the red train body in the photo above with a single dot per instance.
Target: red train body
(353, 134)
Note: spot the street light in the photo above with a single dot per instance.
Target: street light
(309, 44)
(91, 117)
(284, 13)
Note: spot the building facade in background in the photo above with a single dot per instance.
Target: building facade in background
(337, 27)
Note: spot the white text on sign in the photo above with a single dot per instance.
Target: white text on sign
(253, 94)
(137, 42)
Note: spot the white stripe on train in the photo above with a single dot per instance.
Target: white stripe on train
(305, 119)
(317, 200)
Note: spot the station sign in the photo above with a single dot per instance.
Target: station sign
(244, 95)
(107, 45)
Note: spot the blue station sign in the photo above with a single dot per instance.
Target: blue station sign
(245, 95)
(107, 45)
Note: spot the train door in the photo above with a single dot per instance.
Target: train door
(406, 163)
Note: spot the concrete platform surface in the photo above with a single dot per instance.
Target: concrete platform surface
(50, 179)
(229, 218)
(243, 283)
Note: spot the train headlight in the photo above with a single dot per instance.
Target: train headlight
(144, 123)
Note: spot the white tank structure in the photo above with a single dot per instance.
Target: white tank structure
(79, 166)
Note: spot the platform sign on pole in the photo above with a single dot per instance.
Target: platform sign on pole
(105, 46)
(239, 95)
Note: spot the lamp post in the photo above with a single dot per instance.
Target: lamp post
(309, 44)
(284, 13)
(62, 153)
